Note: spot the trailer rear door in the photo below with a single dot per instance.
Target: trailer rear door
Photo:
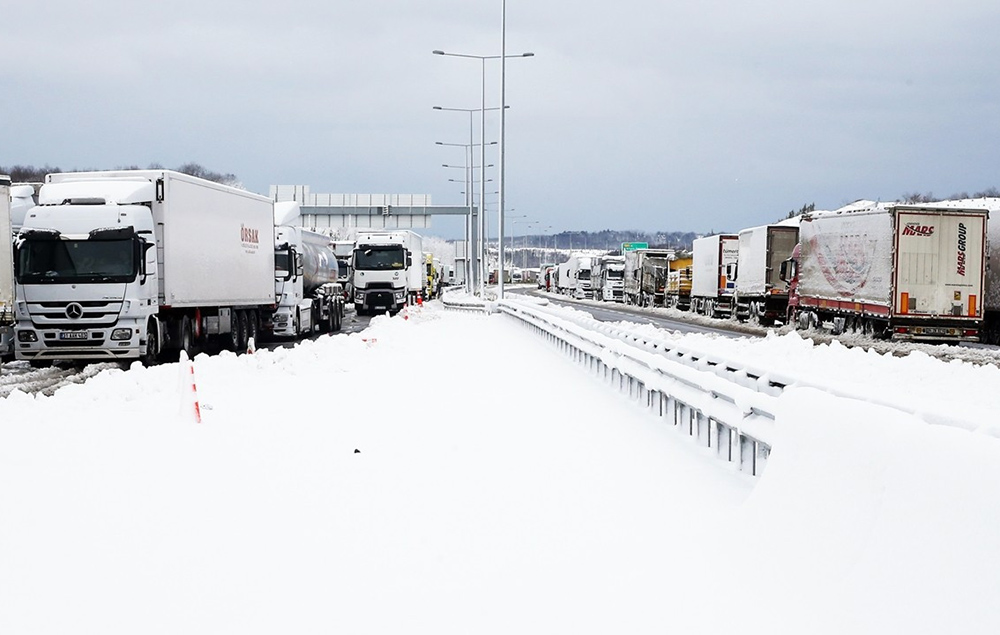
(940, 262)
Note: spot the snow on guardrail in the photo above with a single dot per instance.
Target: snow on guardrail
(724, 398)
(730, 413)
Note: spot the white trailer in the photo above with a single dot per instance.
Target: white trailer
(900, 271)
(6, 273)
(566, 277)
(388, 271)
(124, 265)
(306, 276)
(584, 278)
(713, 258)
(990, 332)
(760, 294)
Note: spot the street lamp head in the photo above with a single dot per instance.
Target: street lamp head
(527, 55)
(437, 52)
(437, 107)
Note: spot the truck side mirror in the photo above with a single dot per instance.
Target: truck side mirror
(409, 258)
(789, 269)
(298, 263)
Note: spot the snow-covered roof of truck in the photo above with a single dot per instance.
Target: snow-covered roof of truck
(113, 191)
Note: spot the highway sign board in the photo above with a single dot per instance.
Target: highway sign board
(634, 246)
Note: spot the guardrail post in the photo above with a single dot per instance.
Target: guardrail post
(763, 453)
(702, 429)
(748, 454)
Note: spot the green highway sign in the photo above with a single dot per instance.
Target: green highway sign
(634, 246)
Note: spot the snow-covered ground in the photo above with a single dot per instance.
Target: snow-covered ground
(448, 473)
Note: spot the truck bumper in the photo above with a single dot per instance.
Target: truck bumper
(378, 300)
(283, 322)
(121, 342)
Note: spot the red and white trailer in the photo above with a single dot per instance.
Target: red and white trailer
(902, 271)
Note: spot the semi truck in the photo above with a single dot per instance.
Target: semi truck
(566, 276)
(343, 249)
(584, 280)
(895, 271)
(6, 273)
(760, 295)
(641, 267)
(135, 264)
(713, 257)
(678, 293)
(609, 278)
(388, 271)
(306, 274)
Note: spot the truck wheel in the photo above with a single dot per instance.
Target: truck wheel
(244, 328)
(233, 343)
(253, 327)
(187, 336)
(338, 317)
(152, 344)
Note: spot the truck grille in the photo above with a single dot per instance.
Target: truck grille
(69, 315)
(379, 298)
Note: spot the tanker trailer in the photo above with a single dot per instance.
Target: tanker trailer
(305, 279)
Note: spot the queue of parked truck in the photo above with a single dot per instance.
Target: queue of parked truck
(917, 272)
(143, 264)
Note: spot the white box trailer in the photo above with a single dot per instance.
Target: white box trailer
(901, 271)
(126, 264)
(760, 294)
(6, 273)
(567, 276)
(713, 258)
(990, 331)
(584, 278)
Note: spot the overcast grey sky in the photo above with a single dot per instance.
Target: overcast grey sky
(634, 114)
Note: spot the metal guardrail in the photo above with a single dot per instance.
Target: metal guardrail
(725, 404)
(728, 410)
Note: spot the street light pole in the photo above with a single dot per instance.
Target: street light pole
(503, 102)
(477, 254)
(503, 106)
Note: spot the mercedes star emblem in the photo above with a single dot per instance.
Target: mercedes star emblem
(74, 311)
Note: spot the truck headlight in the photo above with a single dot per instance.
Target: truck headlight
(400, 295)
(121, 334)
(27, 336)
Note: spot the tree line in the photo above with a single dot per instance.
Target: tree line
(914, 197)
(33, 174)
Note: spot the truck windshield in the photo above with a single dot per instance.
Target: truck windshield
(584, 274)
(615, 274)
(61, 261)
(379, 258)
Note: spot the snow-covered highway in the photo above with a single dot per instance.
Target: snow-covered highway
(449, 473)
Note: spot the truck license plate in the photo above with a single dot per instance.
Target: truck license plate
(73, 335)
